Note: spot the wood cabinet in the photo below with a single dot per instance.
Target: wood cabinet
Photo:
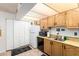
(72, 19)
(50, 21)
(69, 19)
(57, 49)
(68, 50)
(60, 19)
(47, 46)
(43, 23)
(76, 51)
(54, 48)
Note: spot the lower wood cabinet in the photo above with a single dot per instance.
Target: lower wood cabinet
(47, 46)
(54, 48)
(76, 51)
(68, 50)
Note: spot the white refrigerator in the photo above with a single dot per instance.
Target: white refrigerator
(34, 32)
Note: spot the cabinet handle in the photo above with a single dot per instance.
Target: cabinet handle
(64, 47)
(54, 23)
(78, 24)
(51, 43)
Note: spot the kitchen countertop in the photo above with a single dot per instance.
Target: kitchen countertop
(70, 41)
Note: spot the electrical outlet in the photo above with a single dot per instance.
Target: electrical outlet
(75, 33)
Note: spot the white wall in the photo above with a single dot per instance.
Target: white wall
(3, 17)
(9, 34)
(7, 37)
(67, 32)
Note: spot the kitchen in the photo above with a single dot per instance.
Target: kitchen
(46, 29)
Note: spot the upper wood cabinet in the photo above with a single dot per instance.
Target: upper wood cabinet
(50, 21)
(69, 19)
(72, 19)
(60, 19)
(43, 23)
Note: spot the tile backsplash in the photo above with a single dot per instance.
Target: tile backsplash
(65, 32)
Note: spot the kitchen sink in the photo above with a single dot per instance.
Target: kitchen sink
(55, 38)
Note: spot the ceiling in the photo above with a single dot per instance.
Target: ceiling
(8, 7)
(60, 7)
(42, 10)
(20, 9)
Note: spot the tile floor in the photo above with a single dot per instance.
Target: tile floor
(33, 52)
(7, 53)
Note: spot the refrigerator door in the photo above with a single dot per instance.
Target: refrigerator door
(33, 36)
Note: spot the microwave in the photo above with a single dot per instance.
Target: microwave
(43, 33)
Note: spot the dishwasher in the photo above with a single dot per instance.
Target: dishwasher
(40, 44)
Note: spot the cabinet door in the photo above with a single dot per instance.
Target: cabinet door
(43, 23)
(47, 46)
(77, 51)
(72, 19)
(68, 50)
(50, 21)
(60, 19)
(57, 49)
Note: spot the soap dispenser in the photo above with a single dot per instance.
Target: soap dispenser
(62, 38)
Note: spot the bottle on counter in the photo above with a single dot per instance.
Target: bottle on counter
(65, 38)
(48, 34)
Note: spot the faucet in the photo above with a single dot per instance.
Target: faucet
(58, 37)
